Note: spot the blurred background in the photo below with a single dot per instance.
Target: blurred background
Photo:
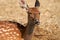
(49, 28)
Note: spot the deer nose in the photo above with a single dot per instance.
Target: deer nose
(37, 22)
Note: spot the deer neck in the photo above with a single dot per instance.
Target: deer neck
(29, 29)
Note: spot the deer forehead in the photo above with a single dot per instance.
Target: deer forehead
(33, 10)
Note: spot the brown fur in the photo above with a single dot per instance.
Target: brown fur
(10, 30)
(33, 14)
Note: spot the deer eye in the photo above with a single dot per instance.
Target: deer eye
(30, 13)
(39, 13)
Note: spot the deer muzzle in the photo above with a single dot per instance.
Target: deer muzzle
(37, 22)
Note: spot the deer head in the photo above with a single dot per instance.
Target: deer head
(33, 12)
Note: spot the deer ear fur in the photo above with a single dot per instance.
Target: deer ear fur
(37, 3)
(23, 4)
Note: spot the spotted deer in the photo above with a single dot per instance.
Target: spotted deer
(10, 30)
(14, 31)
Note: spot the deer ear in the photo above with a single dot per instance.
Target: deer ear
(23, 4)
(37, 3)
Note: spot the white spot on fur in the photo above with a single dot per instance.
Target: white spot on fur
(2, 28)
(16, 28)
(5, 30)
(17, 34)
(10, 33)
(6, 33)
(11, 29)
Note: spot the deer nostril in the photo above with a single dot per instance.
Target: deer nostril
(37, 22)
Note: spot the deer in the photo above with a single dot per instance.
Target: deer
(33, 18)
(10, 30)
